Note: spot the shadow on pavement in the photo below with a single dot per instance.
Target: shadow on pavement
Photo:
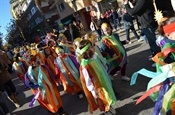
(129, 94)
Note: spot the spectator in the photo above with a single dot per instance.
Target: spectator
(145, 13)
(128, 25)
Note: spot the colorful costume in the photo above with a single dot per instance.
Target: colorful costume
(114, 46)
(47, 93)
(161, 87)
(69, 74)
(96, 83)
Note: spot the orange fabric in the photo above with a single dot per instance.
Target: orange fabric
(91, 101)
(69, 89)
(156, 58)
(102, 101)
(98, 87)
(50, 63)
(48, 101)
(163, 55)
(112, 47)
(173, 107)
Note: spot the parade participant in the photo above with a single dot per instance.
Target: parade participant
(68, 72)
(47, 92)
(95, 80)
(76, 45)
(49, 58)
(144, 11)
(93, 38)
(115, 51)
(67, 46)
(161, 87)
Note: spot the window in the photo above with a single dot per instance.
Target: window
(33, 10)
(61, 7)
(38, 20)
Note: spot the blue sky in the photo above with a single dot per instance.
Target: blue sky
(5, 15)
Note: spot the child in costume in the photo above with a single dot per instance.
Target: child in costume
(49, 58)
(93, 38)
(161, 87)
(95, 80)
(66, 45)
(166, 42)
(115, 52)
(47, 92)
(68, 71)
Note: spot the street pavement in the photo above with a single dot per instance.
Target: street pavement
(138, 53)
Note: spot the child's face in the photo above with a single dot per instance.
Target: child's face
(107, 31)
(171, 36)
(47, 51)
(64, 40)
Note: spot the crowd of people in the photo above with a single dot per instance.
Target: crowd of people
(86, 63)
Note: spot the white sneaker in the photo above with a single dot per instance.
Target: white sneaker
(80, 96)
(125, 78)
(140, 40)
(16, 105)
(107, 113)
(113, 111)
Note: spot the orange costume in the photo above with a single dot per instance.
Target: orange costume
(49, 96)
(69, 74)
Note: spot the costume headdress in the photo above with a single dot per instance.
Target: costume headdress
(77, 41)
(58, 50)
(61, 36)
(85, 48)
(159, 18)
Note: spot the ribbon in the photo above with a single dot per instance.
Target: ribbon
(148, 93)
(167, 98)
(143, 72)
(159, 101)
(32, 103)
(167, 72)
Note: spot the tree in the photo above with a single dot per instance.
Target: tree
(1, 38)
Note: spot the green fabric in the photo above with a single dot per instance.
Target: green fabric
(103, 77)
(118, 46)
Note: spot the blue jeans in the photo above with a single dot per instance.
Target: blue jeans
(134, 32)
(151, 37)
(117, 24)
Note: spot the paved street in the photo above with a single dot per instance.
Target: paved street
(138, 53)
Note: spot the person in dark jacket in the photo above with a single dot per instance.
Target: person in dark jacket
(128, 25)
(67, 33)
(115, 17)
(145, 12)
